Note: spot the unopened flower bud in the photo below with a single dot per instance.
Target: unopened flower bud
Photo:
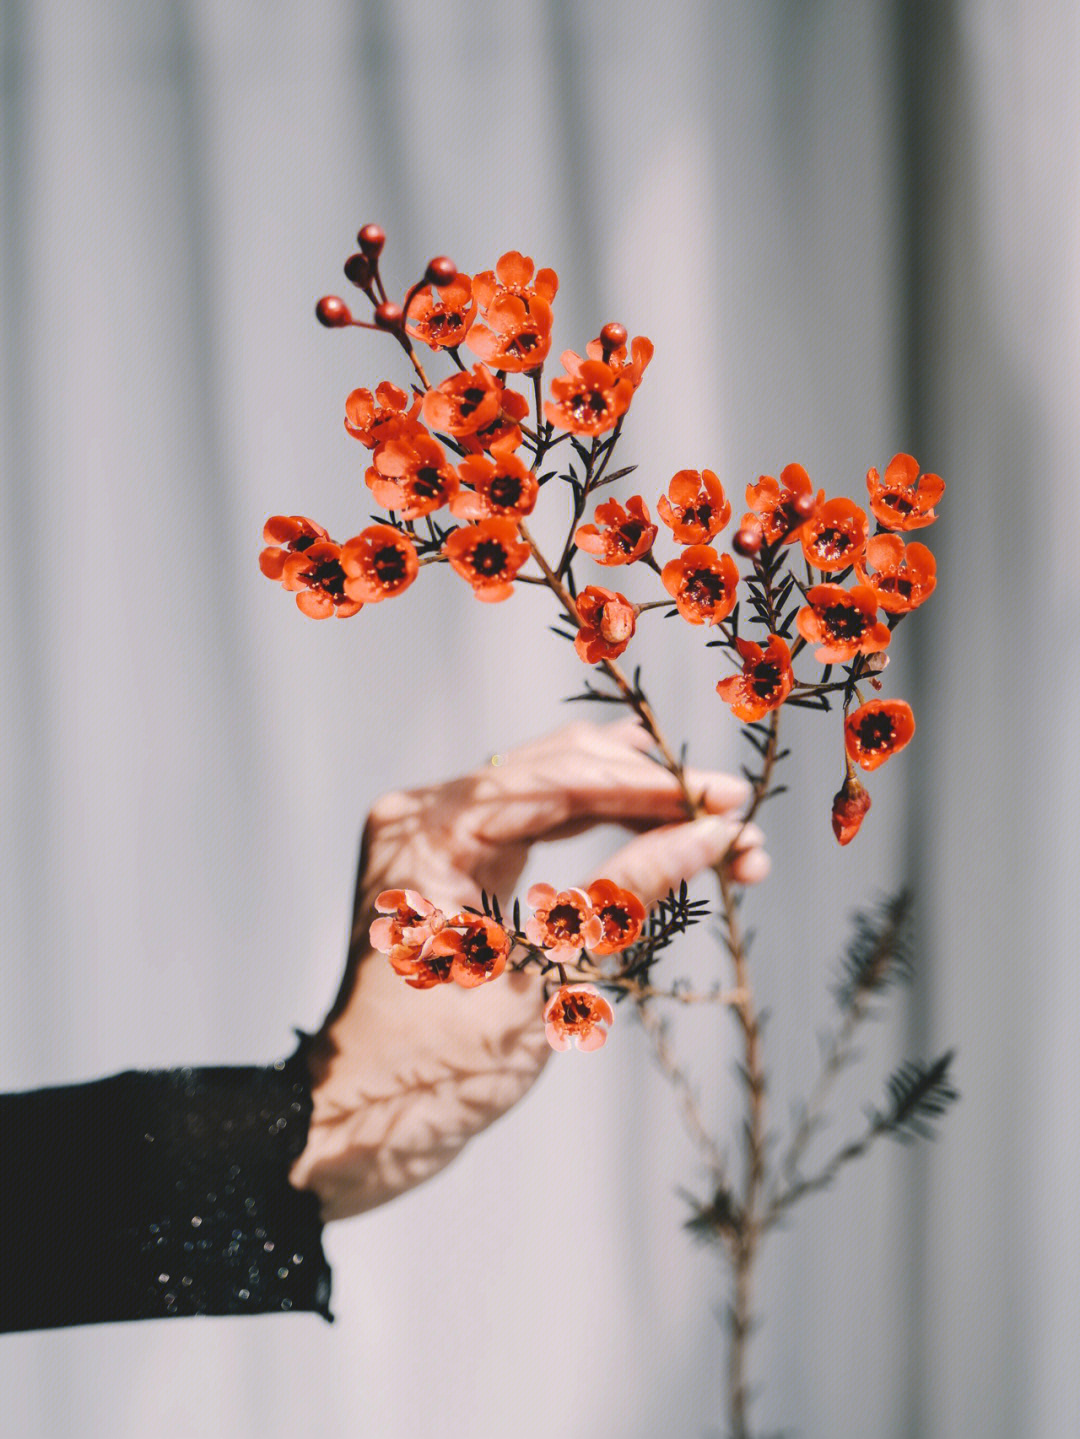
(849, 806)
(389, 316)
(371, 239)
(617, 621)
(333, 312)
(612, 336)
(804, 505)
(358, 270)
(441, 271)
(747, 539)
(875, 663)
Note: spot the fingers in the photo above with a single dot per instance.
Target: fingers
(660, 860)
(590, 774)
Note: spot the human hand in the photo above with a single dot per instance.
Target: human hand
(403, 1078)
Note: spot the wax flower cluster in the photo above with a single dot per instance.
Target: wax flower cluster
(458, 465)
(470, 948)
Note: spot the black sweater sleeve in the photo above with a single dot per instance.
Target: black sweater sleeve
(149, 1195)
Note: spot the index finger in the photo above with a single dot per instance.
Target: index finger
(590, 774)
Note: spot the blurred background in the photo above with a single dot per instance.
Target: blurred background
(850, 229)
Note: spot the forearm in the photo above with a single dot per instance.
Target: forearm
(159, 1194)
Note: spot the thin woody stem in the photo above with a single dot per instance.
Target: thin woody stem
(632, 697)
(825, 1176)
(688, 1107)
(752, 1226)
(837, 1057)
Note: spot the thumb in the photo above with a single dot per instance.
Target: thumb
(662, 858)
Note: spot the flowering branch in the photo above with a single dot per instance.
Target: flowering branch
(465, 445)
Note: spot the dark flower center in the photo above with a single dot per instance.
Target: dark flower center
(895, 585)
(442, 321)
(876, 731)
(831, 542)
(439, 964)
(489, 558)
(589, 404)
(303, 542)
(844, 622)
(478, 949)
(705, 587)
(616, 921)
(389, 565)
(505, 490)
(328, 576)
(522, 342)
(576, 1010)
(700, 513)
(765, 679)
(627, 535)
(898, 502)
(564, 920)
(471, 400)
(428, 482)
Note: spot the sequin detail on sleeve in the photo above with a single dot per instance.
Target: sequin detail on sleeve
(159, 1194)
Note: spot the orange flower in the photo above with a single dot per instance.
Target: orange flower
(464, 403)
(519, 337)
(504, 429)
(641, 352)
(608, 621)
(903, 501)
(384, 417)
(849, 807)
(380, 562)
(295, 532)
(476, 956)
(695, 507)
(441, 318)
(575, 1013)
(489, 555)
(310, 565)
(702, 583)
(407, 934)
(877, 730)
(836, 535)
(412, 476)
(620, 912)
(409, 921)
(620, 535)
(843, 622)
(774, 502)
(904, 578)
(563, 923)
(501, 487)
(590, 400)
(514, 273)
(765, 682)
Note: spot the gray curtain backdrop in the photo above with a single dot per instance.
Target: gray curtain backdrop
(850, 228)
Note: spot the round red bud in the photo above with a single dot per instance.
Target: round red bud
(747, 539)
(389, 316)
(358, 270)
(613, 335)
(804, 506)
(440, 272)
(333, 312)
(371, 239)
